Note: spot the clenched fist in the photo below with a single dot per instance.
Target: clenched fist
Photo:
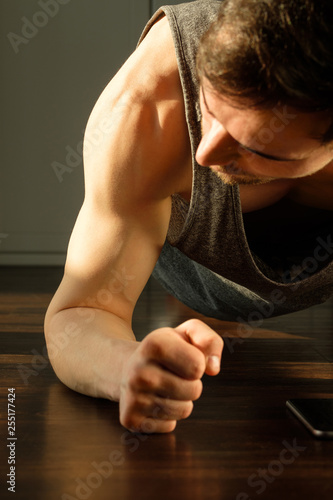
(162, 377)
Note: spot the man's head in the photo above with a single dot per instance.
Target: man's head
(266, 54)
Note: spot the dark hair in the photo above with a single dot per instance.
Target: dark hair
(264, 52)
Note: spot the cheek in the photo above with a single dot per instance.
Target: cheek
(265, 167)
(285, 171)
(305, 168)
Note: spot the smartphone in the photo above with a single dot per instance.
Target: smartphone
(315, 414)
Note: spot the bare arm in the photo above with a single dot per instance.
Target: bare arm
(116, 241)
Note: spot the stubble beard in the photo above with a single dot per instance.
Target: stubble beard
(229, 175)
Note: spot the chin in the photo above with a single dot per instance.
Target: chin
(233, 179)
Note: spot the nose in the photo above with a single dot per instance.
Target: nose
(216, 147)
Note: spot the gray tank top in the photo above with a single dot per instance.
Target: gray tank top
(281, 258)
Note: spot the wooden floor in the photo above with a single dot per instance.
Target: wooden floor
(239, 443)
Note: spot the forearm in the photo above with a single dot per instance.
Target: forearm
(88, 348)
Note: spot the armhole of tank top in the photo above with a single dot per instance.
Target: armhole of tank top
(183, 73)
(242, 241)
(167, 11)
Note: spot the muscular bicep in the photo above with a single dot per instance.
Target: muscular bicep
(110, 258)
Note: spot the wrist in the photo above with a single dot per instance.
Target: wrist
(114, 373)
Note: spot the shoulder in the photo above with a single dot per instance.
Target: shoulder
(140, 118)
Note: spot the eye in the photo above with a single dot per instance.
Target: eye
(247, 152)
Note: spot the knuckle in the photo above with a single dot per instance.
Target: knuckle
(198, 366)
(127, 412)
(131, 411)
(141, 378)
(129, 421)
(151, 346)
(193, 323)
(133, 378)
(146, 380)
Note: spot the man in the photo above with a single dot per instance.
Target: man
(220, 181)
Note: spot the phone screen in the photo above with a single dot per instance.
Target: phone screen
(316, 415)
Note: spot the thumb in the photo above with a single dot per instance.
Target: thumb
(206, 340)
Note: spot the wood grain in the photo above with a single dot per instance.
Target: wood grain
(239, 443)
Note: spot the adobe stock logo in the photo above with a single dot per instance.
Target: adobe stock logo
(30, 27)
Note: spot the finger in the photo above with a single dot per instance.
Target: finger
(149, 425)
(154, 379)
(207, 340)
(142, 410)
(173, 352)
(164, 408)
(160, 408)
